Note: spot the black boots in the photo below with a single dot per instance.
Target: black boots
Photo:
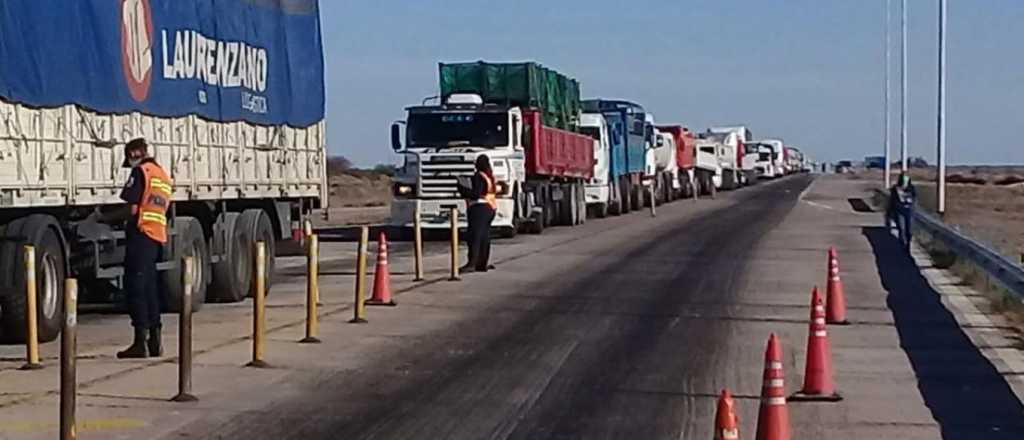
(141, 347)
(138, 348)
(156, 348)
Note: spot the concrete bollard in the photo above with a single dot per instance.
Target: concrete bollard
(259, 308)
(31, 313)
(417, 231)
(453, 219)
(312, 291)
(68, 364)
(359, 308)
(185, 337)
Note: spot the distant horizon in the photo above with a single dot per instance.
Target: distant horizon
(815, 79)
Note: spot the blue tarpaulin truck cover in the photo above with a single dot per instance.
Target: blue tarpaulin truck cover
(259, 61)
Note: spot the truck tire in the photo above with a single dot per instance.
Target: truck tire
(638, 197)
(255, 226)
(627, 196)
(614, 206)
(233, 276)
(581, 204)
(40, 231)
(189, 242)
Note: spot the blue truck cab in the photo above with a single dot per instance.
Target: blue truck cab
(629, 134)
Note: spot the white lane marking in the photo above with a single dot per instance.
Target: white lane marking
(819, 205)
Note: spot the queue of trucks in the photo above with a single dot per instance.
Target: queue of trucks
(562, 159)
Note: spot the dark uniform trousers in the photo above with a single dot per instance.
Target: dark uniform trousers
(480, 217)
(141, 286)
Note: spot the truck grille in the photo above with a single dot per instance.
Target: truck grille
(439, 177)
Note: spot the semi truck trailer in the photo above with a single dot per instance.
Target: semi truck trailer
(630, 135)
(525, 118)
(232, 113)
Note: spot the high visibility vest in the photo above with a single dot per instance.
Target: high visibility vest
(151, 212)
(490, 195)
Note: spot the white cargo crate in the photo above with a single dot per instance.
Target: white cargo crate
(70, 156)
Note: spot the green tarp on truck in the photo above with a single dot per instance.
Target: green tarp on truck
(519, 84)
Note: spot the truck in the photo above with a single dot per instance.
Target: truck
(746, 155)
(630, 135)
(598, 188)
(685, 144)
(777, 162)
(763, 167)
(525, 118)
(708, 168)
(665, 180)
(726, 146)
(228, 95)
(794, 160)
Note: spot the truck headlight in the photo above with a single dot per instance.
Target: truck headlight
(404, 190)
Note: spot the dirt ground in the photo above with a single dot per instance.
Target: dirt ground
(989, 212)
(358, 197)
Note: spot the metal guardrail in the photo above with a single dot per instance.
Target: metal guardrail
(1004, 271)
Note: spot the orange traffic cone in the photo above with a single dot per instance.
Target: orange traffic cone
(381, 276)
(836, 307)
(818, 385)
(727, 425)
(773, 418)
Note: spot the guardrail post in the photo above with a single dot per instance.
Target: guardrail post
(312, 290)
(359, 308)
(31, 313)
(259, 308)
(185, 337)
(654, 212)
(417, 227)
(453, 220)
(68, 366)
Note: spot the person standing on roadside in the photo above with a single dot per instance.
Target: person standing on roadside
(147, 195)
(482, 203)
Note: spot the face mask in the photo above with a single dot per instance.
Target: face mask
(134, 162)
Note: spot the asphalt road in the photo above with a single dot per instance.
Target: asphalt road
(602, 351)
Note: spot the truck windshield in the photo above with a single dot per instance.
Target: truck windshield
(710, 150)
(764, 156)
(458, 129)
(594, 132)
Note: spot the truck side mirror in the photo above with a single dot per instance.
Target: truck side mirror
(396, 136)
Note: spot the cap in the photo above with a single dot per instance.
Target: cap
(134, 144)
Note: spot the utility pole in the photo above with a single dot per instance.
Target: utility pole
(941, 187)
(888, 68)
(903, 91)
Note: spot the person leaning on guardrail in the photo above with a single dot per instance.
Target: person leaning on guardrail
(902, 196)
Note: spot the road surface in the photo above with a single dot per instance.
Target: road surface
(615, 348)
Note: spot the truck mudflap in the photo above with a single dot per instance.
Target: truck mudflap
(434, 213)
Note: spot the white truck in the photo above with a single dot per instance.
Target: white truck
(668, 184)
(598, 188)
(746, 154)
(725, 146)
(707, 167)
(246, 169)
(776, 163)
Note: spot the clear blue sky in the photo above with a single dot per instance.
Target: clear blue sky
(809, 71)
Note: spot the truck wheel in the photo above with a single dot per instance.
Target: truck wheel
(40, 231)
(255, 227)
(581, 203)
(230, 278)
(189, 242)
(614, 205)
(601, 210)
(627, 196)
(233, 276)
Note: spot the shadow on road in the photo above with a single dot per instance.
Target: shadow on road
(965, 393)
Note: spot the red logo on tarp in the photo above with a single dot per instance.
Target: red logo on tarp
(137, 46)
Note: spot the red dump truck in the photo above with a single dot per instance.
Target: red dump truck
(686, 147)
(527, 124)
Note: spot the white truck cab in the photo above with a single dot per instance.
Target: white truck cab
(442, 145)
(666, 165)
(598, 190)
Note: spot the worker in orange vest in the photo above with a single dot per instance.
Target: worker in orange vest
(482, 204)
(148, 197)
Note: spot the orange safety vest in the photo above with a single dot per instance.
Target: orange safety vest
(151, 212)
(490, 196)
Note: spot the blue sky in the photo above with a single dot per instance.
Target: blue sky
(808, 71)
